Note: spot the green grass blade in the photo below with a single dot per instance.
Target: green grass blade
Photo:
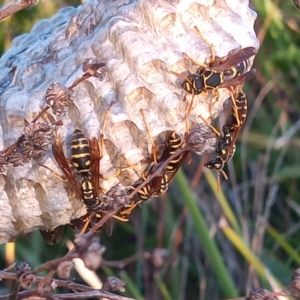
(209, 246)
(163, 288)
(212, 181)
(131, 287)
(244, 250)
(284, 244)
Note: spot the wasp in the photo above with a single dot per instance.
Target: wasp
(224, 151)
(239, 111)
(86, 158)
(225, 147)
(89, 220)
(53, 235)
(160, 184)
(230, 72)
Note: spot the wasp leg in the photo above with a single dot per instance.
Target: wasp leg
(212, 48)
(122, 219)
(117, 173)
(194, 62)
(219, 180)
(128, 210)
(55, 173)
(188, 112)
(84, 228)
(216, 131)
(214, 102)
(101, 144)
(190, 106)
(106, 117)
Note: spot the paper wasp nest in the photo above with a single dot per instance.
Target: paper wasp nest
(140, 42)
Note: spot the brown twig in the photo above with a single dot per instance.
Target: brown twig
(128, 260)
(79, 295)
(13, 8)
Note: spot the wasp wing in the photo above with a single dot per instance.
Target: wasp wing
(52, 236)
(63, 163)
(239, 80)
(236, 58)
(95, 163)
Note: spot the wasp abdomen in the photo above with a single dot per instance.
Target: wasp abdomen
(80, 150)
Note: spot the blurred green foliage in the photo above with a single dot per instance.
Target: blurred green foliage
(224, 246)
(23, 21)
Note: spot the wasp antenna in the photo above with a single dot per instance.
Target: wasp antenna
(106, 116)
(211, 127)
(212, 48)
(224, 174)
(181, 76)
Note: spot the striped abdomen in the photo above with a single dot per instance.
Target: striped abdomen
(80, 150)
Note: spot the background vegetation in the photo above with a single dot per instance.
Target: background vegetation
(215, 245)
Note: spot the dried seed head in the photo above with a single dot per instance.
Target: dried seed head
(22, 267)
(3, 164)
(31, 128)
(36, 141)
(116, 197)
(112, 284)
(92, 66)
(64, 269)
(92, 258)
(200, 139)
(159, 257)
(58, 98)
(24, 275)
(17, 158)
(50, 287)
(81, 241)
(27, 148)
(259, 294)
(295, 284)
(90, 250)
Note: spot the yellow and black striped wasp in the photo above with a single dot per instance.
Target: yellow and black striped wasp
(232, 71)
(86, 159)
(225, 147)
(160, 184)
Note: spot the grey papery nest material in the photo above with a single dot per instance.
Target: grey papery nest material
(139, 42)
